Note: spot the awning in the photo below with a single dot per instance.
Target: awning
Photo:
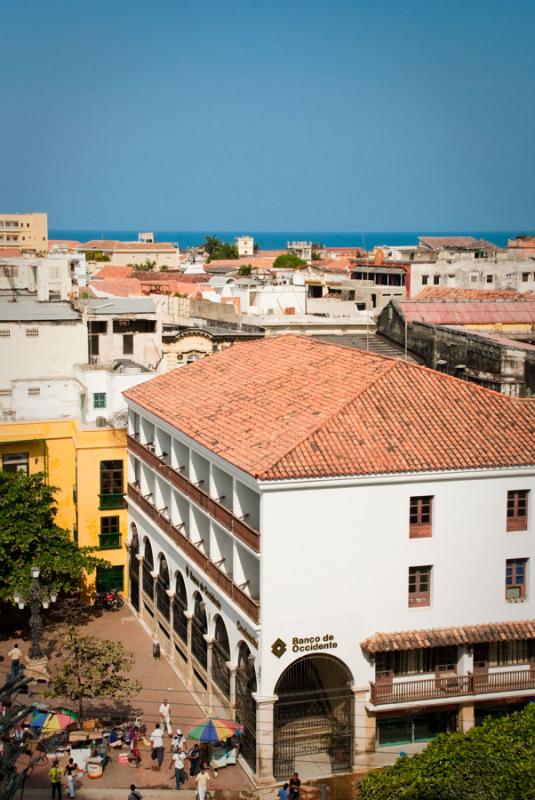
(441, 637)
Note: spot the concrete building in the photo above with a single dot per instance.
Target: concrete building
(60, 275)
(306, 530)
(124, 254)
(29, 232)
(245, 245)
(301, 250)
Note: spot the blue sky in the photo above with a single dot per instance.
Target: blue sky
(279, 115)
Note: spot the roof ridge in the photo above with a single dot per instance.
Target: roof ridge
(338, 411)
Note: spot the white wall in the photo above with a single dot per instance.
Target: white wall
(58, 346)
(57, 398)
(112, 384)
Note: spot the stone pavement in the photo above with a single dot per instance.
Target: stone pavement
(158, 680)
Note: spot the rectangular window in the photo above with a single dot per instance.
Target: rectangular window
(5, 332)
(515, 579)
(394, 731)
(111, 484)
(420, 516)
(110, 534)
(525, 277)
(32, 331)
(509, 654)
(416, 662)
(16, 462)
(419, 586)
(99, 400)
(436, 280)
(34, 391)
(489, 278)
(425, 280)
(110, 578)
(128, 344)
(517, 510)
(98, 326)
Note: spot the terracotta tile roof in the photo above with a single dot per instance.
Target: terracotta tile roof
(440, 637)
(456, 242)
(71, 244)
(469, 313)
(127, 247)
(292, 407)
(113, 272)
(438, 293)
(10, 252)
(117, 287)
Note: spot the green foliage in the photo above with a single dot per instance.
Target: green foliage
(245, 269)
(90, 668)
(96, 255)
(289, 261)
(494, 761)
(29, 536)
(147, 266)
(164, 268)
(215, 249)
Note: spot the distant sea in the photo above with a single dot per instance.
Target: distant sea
(277, 240)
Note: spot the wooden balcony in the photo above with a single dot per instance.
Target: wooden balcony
(218, 512)
(451, 686)
(250, 606)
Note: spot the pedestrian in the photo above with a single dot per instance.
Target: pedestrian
(177, 761)
(165, 714)
(295, 786)
(283, 792)
(156, 739)
(178, 740)
(134, 794)
(202, 782)
(55, 773)
(194, 756)
(70, 771)
(16, 657)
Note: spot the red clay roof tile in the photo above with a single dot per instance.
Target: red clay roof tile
(440, 637)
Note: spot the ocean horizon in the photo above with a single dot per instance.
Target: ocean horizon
(276, 240)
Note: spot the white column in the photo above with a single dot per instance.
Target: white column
(140, 582)
(232, 670)
(154, 576)
(264, 738)
(365, 728)
(172, 651)
(189, 669)
(210, 644)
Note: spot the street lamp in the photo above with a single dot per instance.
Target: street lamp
(38, 598)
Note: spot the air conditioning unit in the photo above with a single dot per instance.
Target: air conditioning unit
(101, 422)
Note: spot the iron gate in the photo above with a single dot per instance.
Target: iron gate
(313, 715)
(220, 656)
(246, 705)
(180, 606)
(199, 628)
(133, 572)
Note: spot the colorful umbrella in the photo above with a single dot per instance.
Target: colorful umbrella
(71, 714)
(38, 720)
(212, 730)
(57, 721)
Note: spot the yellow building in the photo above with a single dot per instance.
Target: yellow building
(29, 232)
(88, 465)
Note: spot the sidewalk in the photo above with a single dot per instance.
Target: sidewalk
(158, 681)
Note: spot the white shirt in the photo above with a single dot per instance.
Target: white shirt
(178, 759)
(156, 737)
(165, 710)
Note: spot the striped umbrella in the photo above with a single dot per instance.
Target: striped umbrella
(212, 730)
(57, 721)
(38, 720)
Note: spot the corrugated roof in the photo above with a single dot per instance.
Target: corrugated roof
(29, 309)
(121, 305)
(292, 407)
(466, 313)
(441, 637)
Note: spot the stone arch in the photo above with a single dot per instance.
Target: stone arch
(220, 657)
(180, 606)
(246, 686)
(163, 602)
(133, 567)
(199, 629)
(313, 715)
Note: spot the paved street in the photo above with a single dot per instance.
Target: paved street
(158, 680)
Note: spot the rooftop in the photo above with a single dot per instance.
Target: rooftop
(28, 309)
(109, 306)
(127, 247)
(438, 293)
(291, 407)
(469, 312)
(456, 243)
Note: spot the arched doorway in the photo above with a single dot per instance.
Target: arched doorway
(180, 606)
(133, 567)
(246, 704)
(148, 567)
(162, 598)
(199, 628)
(313, 716)
(220, 657)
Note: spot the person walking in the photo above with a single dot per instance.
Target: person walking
(55, 773)
(134, 794)
(165, 714)
(295, 786)
(283, 792)
(70, 772)
(202, 782)
(194, 756)
(178, 740)
(16, 657)
(156, 739)
(177, 762)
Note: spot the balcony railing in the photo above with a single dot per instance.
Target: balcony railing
(451, 686)
(222, 515)
(250, 606)
(112, 501)
(109, 541)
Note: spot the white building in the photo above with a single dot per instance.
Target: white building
(124, 327)
(334, 547)
(245, 245)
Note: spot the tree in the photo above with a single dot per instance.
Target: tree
(147, 266)
(215, 249)
(12, 715)
(89, 668)
(289, 261)
(30, 537)
(245, 269)
(493, 761)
